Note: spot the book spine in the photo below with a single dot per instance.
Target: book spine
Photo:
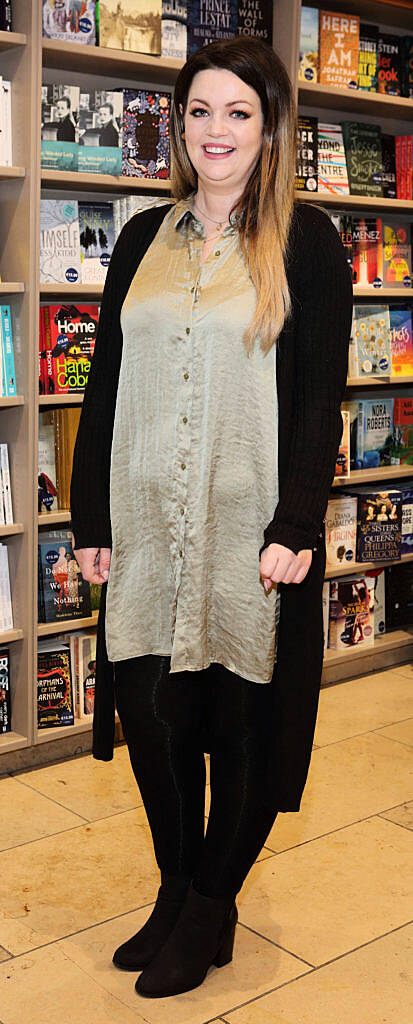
(42, 361)
(7, 606)
(2, 512)
(360, 432)
(398, 167)
(403, 149)
(116, 218)
(8, 352)
(409, 167)
(47, 341)
(6, 486)
(5, 97)
(6, 20)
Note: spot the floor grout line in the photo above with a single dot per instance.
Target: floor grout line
(399, 823)
(365, 732)
(99, 983)
(53, 801)
(277, 944)
(393, 738)
(358, 821)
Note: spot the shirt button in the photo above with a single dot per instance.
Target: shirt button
(184, 419)
(188, 330)
(183, 465)
(182, 510)
(193, 288)
(180, 554)
(186, 375)
(218, 252)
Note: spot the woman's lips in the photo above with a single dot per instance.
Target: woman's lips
(220, 152)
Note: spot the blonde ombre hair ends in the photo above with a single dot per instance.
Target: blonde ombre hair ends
(266, 206)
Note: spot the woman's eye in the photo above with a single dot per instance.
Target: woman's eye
(198, 110)
(242, 113)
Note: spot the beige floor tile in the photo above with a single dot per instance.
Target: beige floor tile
(17, 937)
(403, 815)
(76, 879)
(327, 897)
(257, 966)
(359, 705)
(4, 954)
(92, 788)
(46, 987)
(373, 985)
(402, 732)
(347, 781)
(26, 815)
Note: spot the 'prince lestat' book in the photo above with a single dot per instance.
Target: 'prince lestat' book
(364, 158)
(208, 22)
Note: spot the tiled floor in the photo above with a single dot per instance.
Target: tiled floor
(326, 915)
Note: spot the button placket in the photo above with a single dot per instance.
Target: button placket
(183, 454)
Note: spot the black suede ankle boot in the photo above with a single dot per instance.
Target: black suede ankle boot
(203, 935)
(138, 951)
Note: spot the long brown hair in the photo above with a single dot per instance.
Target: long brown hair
(266, 206)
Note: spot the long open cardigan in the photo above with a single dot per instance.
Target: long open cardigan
(312, 356)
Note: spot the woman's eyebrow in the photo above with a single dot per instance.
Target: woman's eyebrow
(195, 99)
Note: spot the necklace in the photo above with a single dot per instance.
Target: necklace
(219, 223)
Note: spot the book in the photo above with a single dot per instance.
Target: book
(6, 134)
(362, 143)
(128, 25)
(83, 667)
(372, 336)
(307, 154)
(64, 422)
(389, 65)
(399, 595)
(210, 21)
(54, 685)
(174, 29)
(255, 19)
(367, 251)
(368, 58)
(374, 432)
(344, 225)
(308, 66)
(74, 22)
(6, 610)
(5, 694)
(343, 454)
(401, 342)
(351, 612)
(97, 239)
(352, 405)
(341, 531)
(7, 353)
(6, 497)
(326, 609)
(397, 255)
(332, 167)
(339, 49)
(47, 490)
(378, 577)
(353, 357)
(59, 131)
(406, 488)
(6, 16)
(69, 338)
(406, 66)
(379, 522)
(145, 151)
(389, 180)
(63, 591)
(59, 241)
(402, 447)
(100, 131)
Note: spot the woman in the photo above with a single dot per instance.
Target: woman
(214, 396)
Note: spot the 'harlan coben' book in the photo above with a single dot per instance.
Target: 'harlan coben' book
(332, 167)
(363, 155)
(131, 25)
(145, 152)
(339, 49)
(69, 341)
(59, 241)
(306, 165)
(54, 685)
(73, 21)
(97, 238)
(100, 132)
(208, 22)
(60, 116)
(308, 66)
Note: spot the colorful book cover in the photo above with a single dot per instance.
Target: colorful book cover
(389, 180)
(367, 251)
(341, 531)
(374, 432)
(47, 490)
(353, 357)
(97, 239)
(332, 167)
(406, 66)
(5, 696)
(70, 335)
(397, 255)
(100, 131)
(54, 685)
(307, 154)
(65, 594)
(174, 28)
(128, 25)
(208, 22)
(60, 117)
(308, 66)
(406, 487)
(389, 65)
(344, 225)
(254, 19)
(7, 352)
(343, 454)
(87, 674)
(362, 143)
(368, 58)
(379, 524)
(145, 152)
(402, 447)
(401, 342)
(70, 20)
(351, 612)
(59, 241)
(372, 335)
(339, 49)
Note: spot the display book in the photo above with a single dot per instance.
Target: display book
(67, 335)
(378, 249)
(7, 365)
(62, 592)
(66, 669)
(381, 431)
(338, 49)
(5, 693)
(56, 441)
(381, 342)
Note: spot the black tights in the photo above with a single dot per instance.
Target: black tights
(168, 720)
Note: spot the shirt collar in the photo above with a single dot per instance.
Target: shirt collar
(185, 218)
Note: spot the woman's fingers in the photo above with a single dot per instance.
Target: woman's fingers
(279, 564)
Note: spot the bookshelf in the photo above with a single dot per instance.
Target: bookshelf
(23, 54)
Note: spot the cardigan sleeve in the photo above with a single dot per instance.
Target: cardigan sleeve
(321, 338)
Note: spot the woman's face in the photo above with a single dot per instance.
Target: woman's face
(223, 128)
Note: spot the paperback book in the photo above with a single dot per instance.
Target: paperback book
(63, 593)
(364, 158)
(97, 239)
(406, 66)
(402, 447)
(255, 19)
(339, 49)
(128, 25)
(100, 131)
(60, 117)
(145, 152)
(6, 16)
(367, 251)
(374, 432)
(71, 20)
(6, 609)
(332, 167)
(6, 503)
(401, 342)
(372, 335)
(389, 65)
(208, 22)
(341, 531)
(344, 225)
(54, 685)
(308, 66)
(63, 424)
(389, 178)
(351, 612)
(307, 154)
(174, 28)
(378, 577)
(47, 490)
(343, 454)
(8, 371)
(397, 255)
(368, 58)
(59, 241)
(67, 343)
(5, 695)
(379, 523)
(406, 487)
(83, 668)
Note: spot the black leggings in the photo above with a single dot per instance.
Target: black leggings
(168, 720)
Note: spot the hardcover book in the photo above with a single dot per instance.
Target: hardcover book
(402, 447)
(307, 154)
(341, 531)
(406, 488)
(389, 180)
(128, 25)
(397, 255)
(367, 251)
(60, 116)
(364, 158)
(71, 20)
(389, 65)
(100, 132)
(174, 28)
(54, 685)
(69, 339)
(97, 238)
(379, 523)
(368, 58)
(59, 241)
(351, 612)
(401, 342)
(145, 152)
(5, 697)
(255, 19)
(63, 591)
(332, 167)
(339, 49)
(210, 21)
(374, 432)
(372, 335)
(308, 66)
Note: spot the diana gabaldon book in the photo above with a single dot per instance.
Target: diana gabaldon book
(339, 49)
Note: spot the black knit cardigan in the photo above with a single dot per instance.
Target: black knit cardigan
(312, 357)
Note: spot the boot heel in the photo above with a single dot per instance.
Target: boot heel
(224, 955)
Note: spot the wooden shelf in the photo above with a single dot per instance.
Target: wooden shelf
(348, 570)
(11, 172)
(10, 400)
(393, 640)
(8, 40)
(356, 202)
(369, 292)
(361, 476)
(88, 290)
(101, 60)
(50, 628)
(316, 94)
(11, 287)
(79, 181)
(10, 635)
(9, 529)
(372, 382)
(51, 518)
(60, 399)
(57, 732)
(12, 741)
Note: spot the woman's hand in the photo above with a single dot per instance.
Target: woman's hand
(280, 565)
(94, 563)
